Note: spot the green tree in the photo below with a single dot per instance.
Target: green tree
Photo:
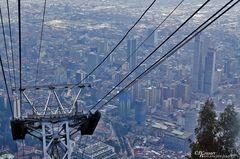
(206, 132)
(228, 127)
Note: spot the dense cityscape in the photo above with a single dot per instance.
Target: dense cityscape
(156, 117)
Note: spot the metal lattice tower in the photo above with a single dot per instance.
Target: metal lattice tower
(55, 125)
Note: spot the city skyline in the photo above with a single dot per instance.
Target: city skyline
(156, 117)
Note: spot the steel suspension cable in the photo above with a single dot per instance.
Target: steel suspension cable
(140, 44)
(6, 48)
(206, 2)
(144, 41)
(20, 51)
(11, 42)
(40, 43)
(6, 86)
(172, 51)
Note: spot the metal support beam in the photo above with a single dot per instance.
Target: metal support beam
(54, 145)
(75, 101)
(46, 105)
(54, 124)
(30, 103)
(59, 102)
(45, 144)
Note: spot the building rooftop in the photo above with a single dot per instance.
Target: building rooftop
(179, 134)
(159, 126)
(98, 148)
(6, 156)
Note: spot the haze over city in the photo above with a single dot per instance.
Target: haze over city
(154, 118)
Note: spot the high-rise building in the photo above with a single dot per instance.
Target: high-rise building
(152, 40)
(167, 92)
(231, 66)
(2, 101)
(203, 67)
(92, 61)
(182, 91)
(209, 72)
(151, 96)
(79, 76)
(197, 78)
(131, 48)
(103, 47)
(103, 51)
(218, 78)
(140, 111)
(176, 102)
(5, 107)
(125, 105)
(190, 120)
(180, 119)
(167, 106)
(135, 91)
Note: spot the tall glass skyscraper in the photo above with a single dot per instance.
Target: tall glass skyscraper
(125, 105)
(204, 62)
(140, 111)
(209, 72)
(131, 48)
(197, 78)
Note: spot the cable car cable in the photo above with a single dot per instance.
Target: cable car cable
(119, 42)
(151, 54)
(171, 52)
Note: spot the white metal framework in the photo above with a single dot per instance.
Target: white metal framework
(56, 142)
(54, 126)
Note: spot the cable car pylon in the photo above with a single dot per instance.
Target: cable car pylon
(54, 126)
